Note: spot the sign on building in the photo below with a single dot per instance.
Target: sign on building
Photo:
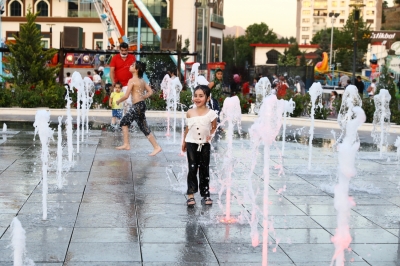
(168, 39)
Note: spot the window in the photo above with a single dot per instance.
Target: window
(305, 37)
(370, 4)
(370, 12)
(306, 4)
(305, 28)
(342, 12)
(342, 3)
(334, 4)
(148, 39)
(43, 8)
(306, 20)
(81, 9)
(370, 21)
(341, 21)
(15, 8)
(306, 12)
(44, 43)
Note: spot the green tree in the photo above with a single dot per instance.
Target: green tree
(303, 61)
(260, 33)
(288, 58)
(185, 49)
(238, 50)
(34, 82)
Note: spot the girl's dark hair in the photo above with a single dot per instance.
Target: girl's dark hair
(334, 92)
(206, 90)
(172, 71)
(140, 67)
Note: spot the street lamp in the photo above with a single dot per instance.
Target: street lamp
(333, 16)
(356, 13)
(164, 3)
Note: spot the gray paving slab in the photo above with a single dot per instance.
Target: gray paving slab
(125, 208)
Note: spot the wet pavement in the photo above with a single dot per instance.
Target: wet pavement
(126, 208)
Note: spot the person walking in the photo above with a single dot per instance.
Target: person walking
(360, 86)
(116, 108)
(119, 69)
(216, 90)
(139, 91)
(201, 126)
(97, 80)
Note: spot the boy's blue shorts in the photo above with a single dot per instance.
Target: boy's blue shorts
(117, 113)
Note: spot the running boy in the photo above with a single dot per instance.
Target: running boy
(201, 126)
(136, 89)
(116, 108)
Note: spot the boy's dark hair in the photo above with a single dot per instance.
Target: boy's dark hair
(358, 77)
(118, 83)
(68, 74)
(206, 90)
(123, 45)
(140, 67)
(89, 73)
(334, 92)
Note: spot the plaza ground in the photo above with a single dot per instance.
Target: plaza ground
(126, 208)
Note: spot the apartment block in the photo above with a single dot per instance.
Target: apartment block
(313, 16)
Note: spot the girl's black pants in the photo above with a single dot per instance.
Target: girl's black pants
(198, 160)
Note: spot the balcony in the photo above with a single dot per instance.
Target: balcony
(82, 14)
(217, 19)
(320, 13)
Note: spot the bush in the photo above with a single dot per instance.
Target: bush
(302, 103)
(6, 99)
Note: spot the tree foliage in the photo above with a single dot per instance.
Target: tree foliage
(238, 50)
(289, 57)
(27, 61)
(387, 82)
(32, 80)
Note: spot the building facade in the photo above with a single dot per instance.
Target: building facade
(200, 21)
(313, 15)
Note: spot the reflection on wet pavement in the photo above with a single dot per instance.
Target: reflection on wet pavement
(125, 208)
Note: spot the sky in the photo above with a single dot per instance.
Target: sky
(280, 15)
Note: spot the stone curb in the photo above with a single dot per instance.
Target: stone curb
(294, 121)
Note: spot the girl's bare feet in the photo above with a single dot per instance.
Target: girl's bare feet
(124, 147)
(155, 151)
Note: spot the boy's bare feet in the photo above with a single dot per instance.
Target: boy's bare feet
(155, 151)
(124, 147)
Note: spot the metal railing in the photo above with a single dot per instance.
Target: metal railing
(217, 19)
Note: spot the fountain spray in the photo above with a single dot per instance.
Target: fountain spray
(397, 144)
(347, 147)
(230, 113)
(263, 89)
(381, 120)
(59, 154)
(171, 92)
(4, 128)
(18, 241)
(68, 123)
(77, 82)
(315, 94)
(289, 108)
(89, 89)
(264, 130)
(41, 125)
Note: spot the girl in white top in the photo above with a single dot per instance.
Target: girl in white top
(201, 125)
